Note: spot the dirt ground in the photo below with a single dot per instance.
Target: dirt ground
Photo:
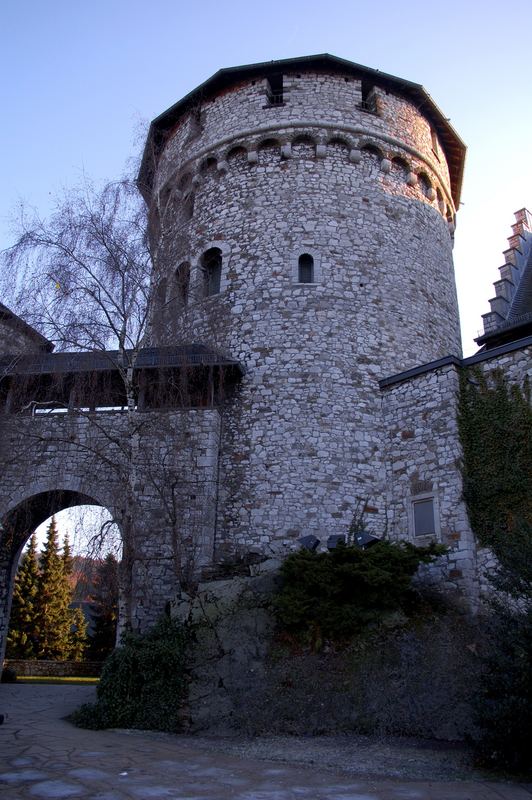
(364, 756)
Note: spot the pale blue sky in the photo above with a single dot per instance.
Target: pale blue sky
(78, 79)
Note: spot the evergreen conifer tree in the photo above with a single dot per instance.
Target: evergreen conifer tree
(42, 623)
(78, 635)
(68, 561)
(54, 617)
(24, 634)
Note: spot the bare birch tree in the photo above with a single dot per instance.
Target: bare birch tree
(83, 279)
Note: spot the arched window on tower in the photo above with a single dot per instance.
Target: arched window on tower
(212, 270)
(305, 268)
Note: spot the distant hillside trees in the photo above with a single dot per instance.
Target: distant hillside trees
(104, 609)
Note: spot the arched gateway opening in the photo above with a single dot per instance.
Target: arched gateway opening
(16, 527)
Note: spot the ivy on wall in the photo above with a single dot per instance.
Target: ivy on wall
(495, 423)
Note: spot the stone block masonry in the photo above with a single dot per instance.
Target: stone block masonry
(156, 477)
(367, 197)
(302, 216)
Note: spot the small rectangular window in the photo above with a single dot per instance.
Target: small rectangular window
(275, 90)
(368, 97)
(305, 268)
(434, 140)
(182, 275)
(195, 124)
(212, 266)
(424, 519)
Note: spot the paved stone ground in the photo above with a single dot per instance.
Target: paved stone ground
(42, 756)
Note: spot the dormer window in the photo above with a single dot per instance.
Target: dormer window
(212, 268)
(305, 268)
(274, 90)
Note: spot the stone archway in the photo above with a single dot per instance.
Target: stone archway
(161, 487)
(16, 526)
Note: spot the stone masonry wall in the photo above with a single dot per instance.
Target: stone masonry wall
(233, 625)
(423, 456)
(57, 669)
(423, 460)
(368, 198)
(14, 341)
(515, 364)
(169, 459)
(328, 99)
(517, 368)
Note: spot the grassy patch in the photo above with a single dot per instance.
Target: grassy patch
(52, 679)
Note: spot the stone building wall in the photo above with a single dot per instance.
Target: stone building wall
(324, 100)
(515, 362)
(423, 456)
(170, 462)
(368, 197)
(14, 340)
(516, 365)
(318, 426)
(422, 459)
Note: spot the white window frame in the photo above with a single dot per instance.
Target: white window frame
(436, 511)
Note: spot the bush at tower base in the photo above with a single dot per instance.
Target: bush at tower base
(143, 683)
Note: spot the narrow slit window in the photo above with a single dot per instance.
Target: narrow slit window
(305, 268)
(161, 292)
(424, 519)
(196, 123)
(212, 266)
(188, 206)
(369, 98)
(434, 140)
(182, 277)
(275, 90)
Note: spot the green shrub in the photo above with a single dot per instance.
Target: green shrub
(336, 595)
(143, 683)
(504, 702)
(495, 423)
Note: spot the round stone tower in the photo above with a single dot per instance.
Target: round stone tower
(302, 214)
